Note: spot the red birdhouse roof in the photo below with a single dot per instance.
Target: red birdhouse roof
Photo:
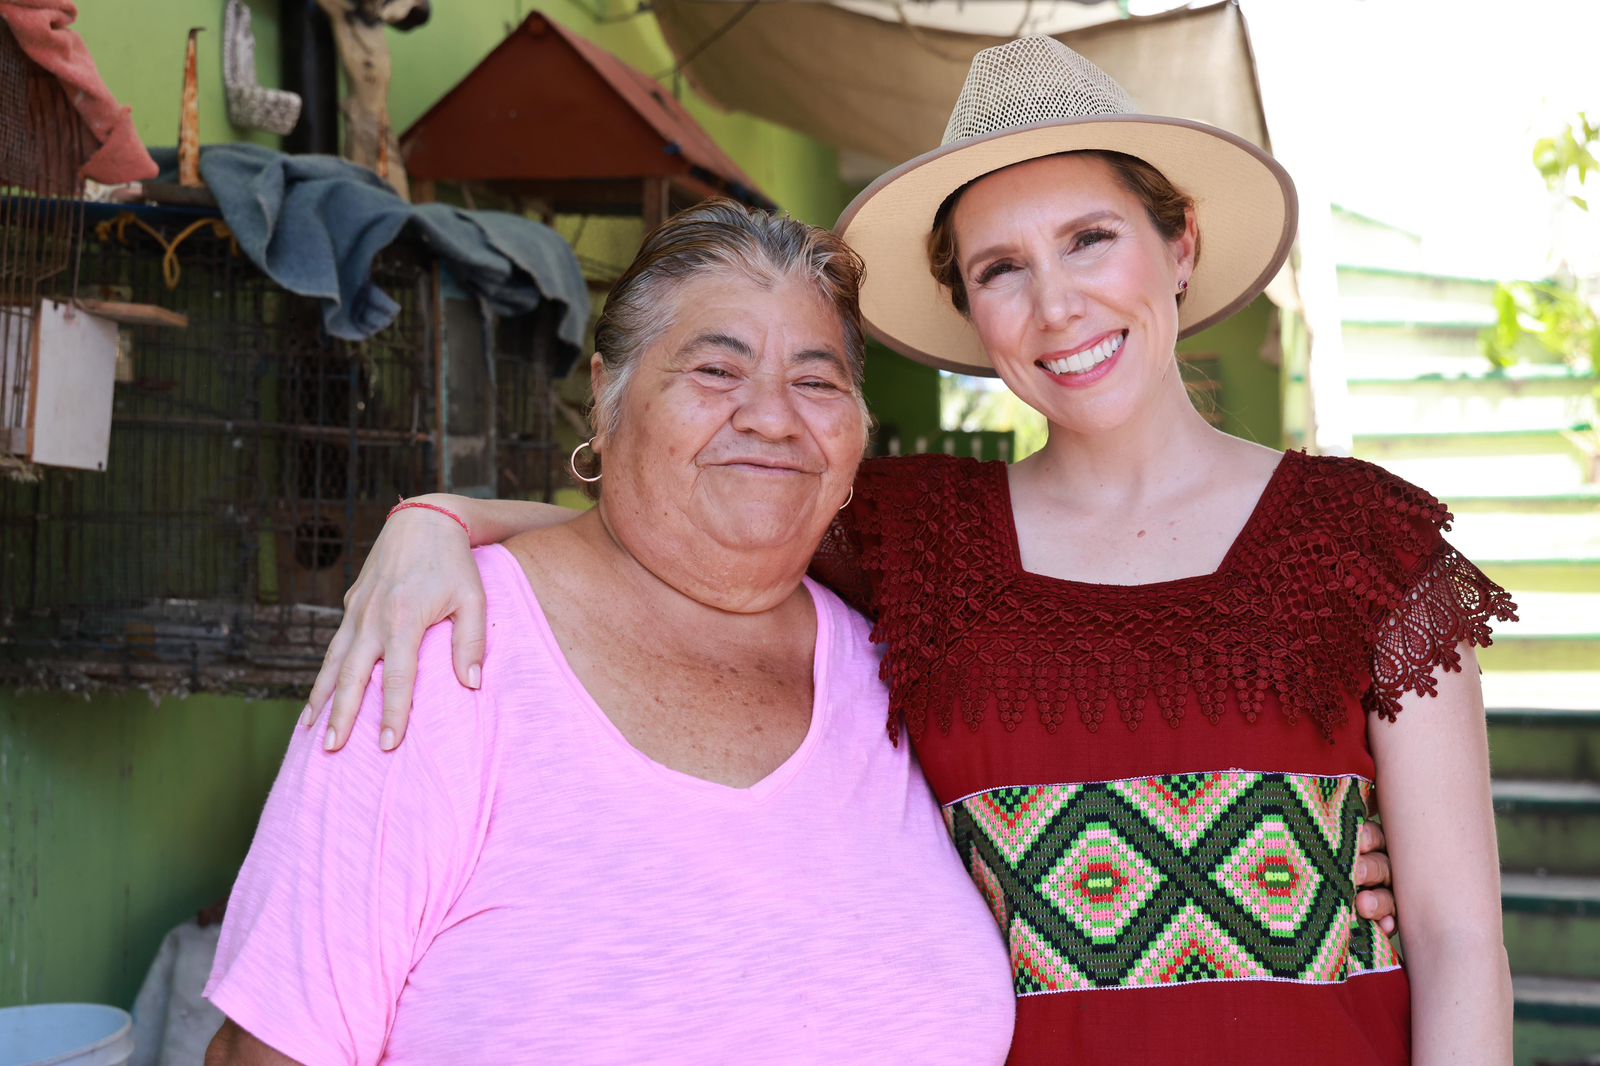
(550, 113)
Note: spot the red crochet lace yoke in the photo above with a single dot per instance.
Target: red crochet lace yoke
(1339, 589)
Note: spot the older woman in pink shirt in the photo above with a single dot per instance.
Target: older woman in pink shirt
(667, 827)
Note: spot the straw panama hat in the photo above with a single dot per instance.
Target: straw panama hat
(1035, 97)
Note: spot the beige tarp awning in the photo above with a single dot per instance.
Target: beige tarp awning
(884, 89)
(881, 90)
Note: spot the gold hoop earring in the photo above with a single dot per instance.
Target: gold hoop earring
(848, 498)
(573, 462)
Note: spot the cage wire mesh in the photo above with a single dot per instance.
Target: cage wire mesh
(253, 459)
(527, 461)
(43, 145)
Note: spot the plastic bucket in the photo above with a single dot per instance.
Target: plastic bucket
(65, 1034)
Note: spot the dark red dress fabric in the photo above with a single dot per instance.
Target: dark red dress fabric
(1158, 788)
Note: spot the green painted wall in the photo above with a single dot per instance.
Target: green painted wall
(140, 55)
(119, 819)
(1251, 401)
(139, 50)
(904, 396)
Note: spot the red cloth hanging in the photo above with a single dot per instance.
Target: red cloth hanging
(41, 29)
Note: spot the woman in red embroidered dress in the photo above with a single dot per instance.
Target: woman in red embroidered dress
(1152, 671)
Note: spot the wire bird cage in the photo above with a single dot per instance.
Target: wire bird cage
(252, 461)
(43, 145)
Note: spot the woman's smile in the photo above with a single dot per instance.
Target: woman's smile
(761, 468)
(1088, 363)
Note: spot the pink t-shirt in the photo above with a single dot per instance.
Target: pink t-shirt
(517, 883)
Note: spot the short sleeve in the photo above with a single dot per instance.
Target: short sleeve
(354, 864)
(1437, 600)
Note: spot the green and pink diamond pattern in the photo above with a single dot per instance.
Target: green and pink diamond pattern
(1172, 880)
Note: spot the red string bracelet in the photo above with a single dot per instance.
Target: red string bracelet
(403, 504)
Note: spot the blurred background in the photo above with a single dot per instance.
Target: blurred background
(175, 534)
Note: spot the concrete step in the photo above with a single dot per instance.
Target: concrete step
(1556, 461)
(1522, 574)
(1557, 1021)
(1551, 895)
(1530, 502)
(1554, 632)
(1533, 543)
(1477, 443)
(1550, 827)
(1552, 924)
(1360, 284)
(1552, 934)
(1442, 402)
(1554, 999)
(1560, 527)
(1545, 743)
(1554, 614)
(1401, 350)
(1556, 534)
(1517, 650)
(1399, 312)
(1467, 376)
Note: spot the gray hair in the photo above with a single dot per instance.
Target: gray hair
(727, 236)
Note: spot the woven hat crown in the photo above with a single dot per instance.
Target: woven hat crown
(1030, 80)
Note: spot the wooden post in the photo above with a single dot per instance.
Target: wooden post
(657, 202)
(189, 119)
(364, 53)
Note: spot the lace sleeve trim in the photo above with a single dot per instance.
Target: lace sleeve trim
(1451, 603)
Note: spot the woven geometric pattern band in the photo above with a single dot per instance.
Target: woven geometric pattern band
(1170, 880)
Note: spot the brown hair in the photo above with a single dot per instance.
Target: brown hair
(720, 235)
(1164, 205)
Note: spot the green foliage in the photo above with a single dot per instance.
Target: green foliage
(1551, 318)
(972, 404)
(1568, 154)
(1534, 317)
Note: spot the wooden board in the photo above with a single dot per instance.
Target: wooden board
(131, 314)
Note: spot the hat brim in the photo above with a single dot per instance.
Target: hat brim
(1245, 207)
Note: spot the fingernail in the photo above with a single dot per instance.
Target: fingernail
(386, 739)
(306, 717)
(474, 675)
(330, 740)
(1361, 870)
